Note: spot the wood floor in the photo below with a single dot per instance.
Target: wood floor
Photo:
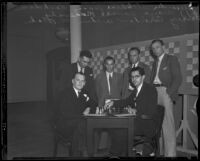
(29, 133)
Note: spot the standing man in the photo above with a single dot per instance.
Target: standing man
(82, 66)
(108, 83)
(167, 78)
(72, 103)
(134, 61)
(108, 86)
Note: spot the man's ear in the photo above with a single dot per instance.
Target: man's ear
(163, 47)
(143, 77)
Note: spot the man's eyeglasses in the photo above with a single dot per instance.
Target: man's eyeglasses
(136, 76)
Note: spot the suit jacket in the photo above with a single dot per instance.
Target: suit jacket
(70, 109)
(68, 74)
(169, 74)
(102, 87)
(125, 91)
(146, 101)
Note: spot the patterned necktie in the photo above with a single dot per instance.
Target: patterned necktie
(135, 96)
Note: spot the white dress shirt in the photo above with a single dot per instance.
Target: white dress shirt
(157, 80)
(107, 76)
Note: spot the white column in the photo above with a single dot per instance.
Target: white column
(75, 31)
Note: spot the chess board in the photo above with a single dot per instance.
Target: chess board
(185, 47)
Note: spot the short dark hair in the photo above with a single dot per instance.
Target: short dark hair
(133, 48)
(109, 58)
(157, 40)
(73, 76)
(85, 53)
(139, 69)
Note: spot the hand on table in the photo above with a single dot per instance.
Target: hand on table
(108, 105)
(86, 111)
(131, 110)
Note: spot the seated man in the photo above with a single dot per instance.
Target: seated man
(144, 100)
(72, 104)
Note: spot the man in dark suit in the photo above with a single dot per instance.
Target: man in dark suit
(134, 61)
(72, 104)
(82, 66)
(167, 78)
(143, 100)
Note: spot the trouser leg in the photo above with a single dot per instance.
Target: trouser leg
(168, 127)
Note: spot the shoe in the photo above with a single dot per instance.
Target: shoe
(138, 153)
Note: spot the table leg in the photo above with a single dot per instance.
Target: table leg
(90, 140)
(130, 138)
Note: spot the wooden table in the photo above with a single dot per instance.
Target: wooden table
(94, 122)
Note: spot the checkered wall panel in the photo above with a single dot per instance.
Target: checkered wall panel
(185, 47)
(192, 62)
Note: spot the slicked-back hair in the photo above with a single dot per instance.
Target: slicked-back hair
(73, 76)
(109, 58)
(85, 53)
(139, 69)
(157, 40)
(133, 48)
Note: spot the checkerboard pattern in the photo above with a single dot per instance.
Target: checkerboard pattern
(121, 56)
(177, 46)
(192, 58)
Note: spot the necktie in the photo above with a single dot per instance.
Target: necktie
(135, 96)
(134, 66)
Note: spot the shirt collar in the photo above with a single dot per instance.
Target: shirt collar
(136, 64)
(107, 74)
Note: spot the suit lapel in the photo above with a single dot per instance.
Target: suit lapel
(73, 93)
(163, 63)
(154, 68)
(140, 65)
(75, 67)
(141, 92)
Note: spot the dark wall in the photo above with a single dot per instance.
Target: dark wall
(101, 34)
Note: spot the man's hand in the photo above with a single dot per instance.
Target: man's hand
(108, 104)
(131, 110)
(86, 111)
